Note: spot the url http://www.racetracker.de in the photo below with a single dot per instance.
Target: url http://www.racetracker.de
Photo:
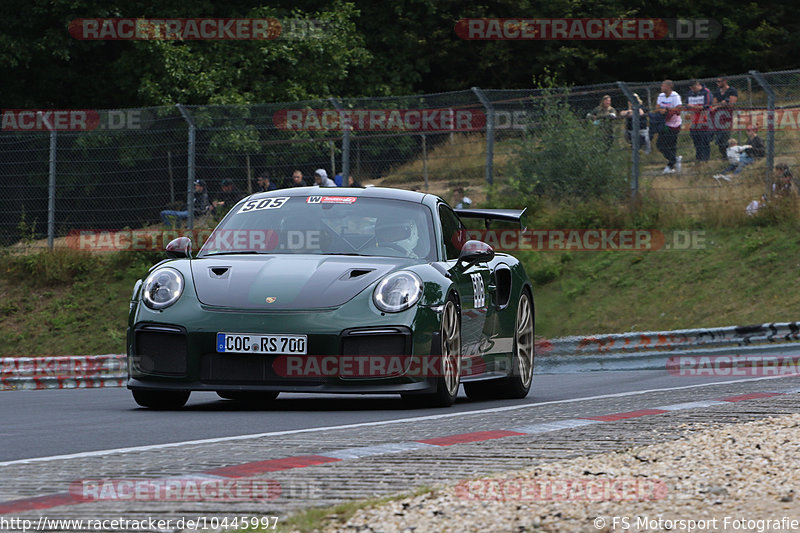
(201, 523)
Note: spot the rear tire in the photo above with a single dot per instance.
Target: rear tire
(448, 382)
(518, 384)
(158, 399)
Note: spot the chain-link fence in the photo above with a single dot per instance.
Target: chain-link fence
(62, 171)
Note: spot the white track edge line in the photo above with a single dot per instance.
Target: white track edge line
(150, 447)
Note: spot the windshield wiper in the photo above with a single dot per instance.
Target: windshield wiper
(345, 253)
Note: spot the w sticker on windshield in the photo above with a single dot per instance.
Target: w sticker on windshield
(331, 200)
(266, 203)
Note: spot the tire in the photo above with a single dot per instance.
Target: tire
(248, 396)
(518, 384)
(448, 382)
(158, 399)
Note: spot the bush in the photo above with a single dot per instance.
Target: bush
(562, 156)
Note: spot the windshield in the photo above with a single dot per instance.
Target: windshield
(342, 225)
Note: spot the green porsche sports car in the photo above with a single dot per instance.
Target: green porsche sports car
(346, 290)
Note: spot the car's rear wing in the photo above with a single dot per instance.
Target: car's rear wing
(489, 215)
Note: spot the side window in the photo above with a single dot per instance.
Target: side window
(451, 226)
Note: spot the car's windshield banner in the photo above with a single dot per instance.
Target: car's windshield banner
(331, 200)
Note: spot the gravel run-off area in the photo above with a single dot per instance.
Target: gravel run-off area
(737, 477)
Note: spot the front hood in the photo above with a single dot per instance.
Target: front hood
(272, 282)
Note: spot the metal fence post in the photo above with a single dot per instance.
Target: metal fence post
(346, 127)
(190, 165)
(51, 185)
(171, 181)
(425, 160)
(332, 149)
(489, 133)
(51, 194)
(635, 138)
(762, 81)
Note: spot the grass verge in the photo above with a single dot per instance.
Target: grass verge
(315, 518)
(67, 302)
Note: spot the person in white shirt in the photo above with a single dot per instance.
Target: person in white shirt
(734, 153)
(669, 104)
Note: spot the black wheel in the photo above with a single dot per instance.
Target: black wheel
(248, 396)
(161, 399)
(450, 370)
(518, 384)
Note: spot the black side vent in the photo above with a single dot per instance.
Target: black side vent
(219, 272)
(356, 272)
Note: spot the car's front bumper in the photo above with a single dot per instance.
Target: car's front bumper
(174, 357)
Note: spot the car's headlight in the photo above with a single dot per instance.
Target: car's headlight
(162, 288)
(397, 292)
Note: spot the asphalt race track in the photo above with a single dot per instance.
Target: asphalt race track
(322, 450)
(56, 422)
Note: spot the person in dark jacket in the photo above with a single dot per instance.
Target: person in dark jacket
(699, 101)
(201, 206)
(227, 197)
(724, 104)
(644, 130)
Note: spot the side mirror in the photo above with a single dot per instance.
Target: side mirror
(180, 248)
(475, 252)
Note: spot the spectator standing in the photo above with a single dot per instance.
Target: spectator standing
(669, 104)
(200, 208)
(321, 178)
(723, 101)
(699, 101)
(603, 116)
(338, 179)
(644, 130)
(351, 182)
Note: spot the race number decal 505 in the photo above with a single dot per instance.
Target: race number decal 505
(266, 203)
(478, 291)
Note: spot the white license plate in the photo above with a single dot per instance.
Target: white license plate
(261, 344)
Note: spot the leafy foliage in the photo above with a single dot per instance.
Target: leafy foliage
(564, 157)
(372, 48)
